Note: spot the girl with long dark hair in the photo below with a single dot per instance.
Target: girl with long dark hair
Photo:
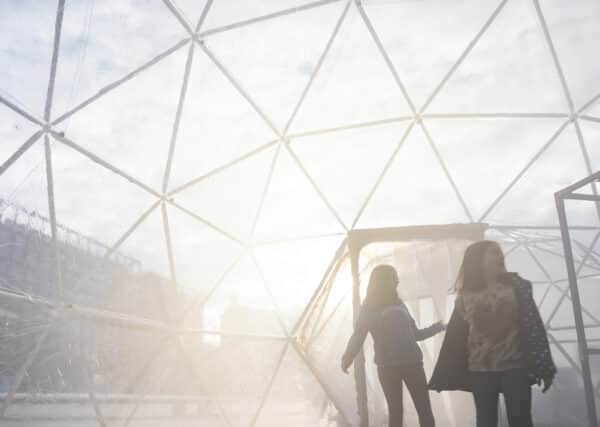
(397, 355)
(496, 342)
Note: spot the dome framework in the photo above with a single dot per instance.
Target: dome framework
(531, 244)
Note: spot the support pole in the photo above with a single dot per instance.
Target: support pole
(360, 376)
(577, 313)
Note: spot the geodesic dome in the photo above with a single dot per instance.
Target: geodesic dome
(181, 180)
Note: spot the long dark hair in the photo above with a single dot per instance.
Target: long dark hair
(381, 291)
(471, 276)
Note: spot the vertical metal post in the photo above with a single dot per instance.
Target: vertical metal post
(577, 313)
(360, 376)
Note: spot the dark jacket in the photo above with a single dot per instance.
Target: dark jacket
(451, 370)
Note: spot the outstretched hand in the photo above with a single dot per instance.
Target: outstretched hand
(547, 382)
(346, 364)
(439, 326)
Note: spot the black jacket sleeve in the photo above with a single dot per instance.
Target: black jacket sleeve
(451, 369)
(535, 339)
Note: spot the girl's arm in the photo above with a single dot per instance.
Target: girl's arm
(423, 334)
(356, 340)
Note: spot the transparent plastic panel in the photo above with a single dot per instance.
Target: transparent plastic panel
(241, 304)
(24, 183)
(225, 13)
(520, 260)
(294, 271)
(24, 325)
(27, 37)
(561, 315)
(585, 252)
(347, 164)
(15, 130)
(48, 369)
(92, 199)
(130, 126)
(234, 194)
(594, 109)
(591, 133)
(201, 254)
(325, 336)
(494, 151)
(262, 64)
(551, 258)
(237, 373)
(528, 202)
(354, 85)
(102, 42)
(148, 247)
(292, 207)
(572, 47)
(565, 402)
(414, 190)
(190, 10)
(96, 209)
(429, 33)
(25, 253)
(217, 124)
(296, 396)
(510, 69)
(131, 383)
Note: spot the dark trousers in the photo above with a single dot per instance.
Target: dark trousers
(514, 385)
(392, 378)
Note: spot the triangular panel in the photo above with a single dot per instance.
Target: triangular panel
(354, 84)
(131, 125)
(347, 164)
(492, 150)
(429, 33)
(591, 137)
(531, 200)
(93, 200)
(134, 280)
(102, 42)
(292, 207)
(294, 271)
(580, 69)
(201, 254)
(27, 37)
(14, 131)
(510, 69)
(217, 124)
(237, 372)
(414, 190)
(24, 182)
(300, 402)
(263, 64)
(231, 197)
(241, 304)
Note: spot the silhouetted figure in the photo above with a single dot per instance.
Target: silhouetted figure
(495, 342)
(397, 355)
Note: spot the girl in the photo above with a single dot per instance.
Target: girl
(397, 356)
(496, 341)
